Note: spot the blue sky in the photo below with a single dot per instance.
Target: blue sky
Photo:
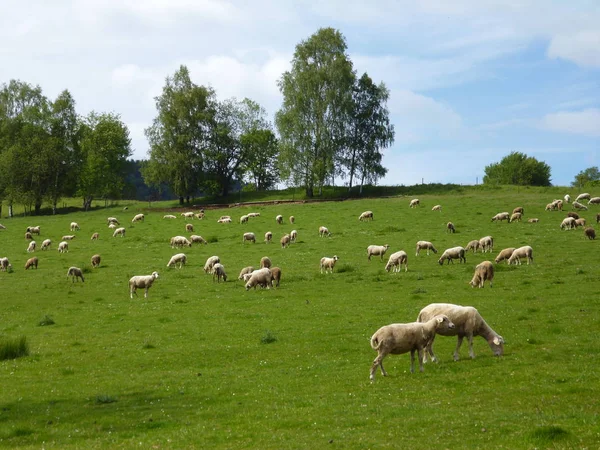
(470, 80)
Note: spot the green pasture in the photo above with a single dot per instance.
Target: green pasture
(201, 364)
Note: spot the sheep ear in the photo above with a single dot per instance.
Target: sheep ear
(440, 319)
(497, 341)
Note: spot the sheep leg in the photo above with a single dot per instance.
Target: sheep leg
(421, 354)
(458, 344)
(429, 349)
(412, 361)
(146, 292)
(377, 362)
(470, 341)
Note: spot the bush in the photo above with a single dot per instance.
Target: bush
(13, 348)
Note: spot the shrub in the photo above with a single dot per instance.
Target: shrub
(46, 320)
(268, 338)
(13, 348)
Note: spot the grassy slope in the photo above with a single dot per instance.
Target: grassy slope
(187, 368)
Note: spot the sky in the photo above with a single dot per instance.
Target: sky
(470, 80)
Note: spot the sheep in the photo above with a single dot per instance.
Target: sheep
(31, 247)
(244, 271)
(279, 219)
(584, 196)
(367, 215)
(169, 216)
(95, 236)
(396, 260)
(572, 214)
(253, 214)
(224, 218)
(579, 206)
(96, 260)
(244, 219)
(285, 241)
(558, 204)
(119, 232)
(262, 277)
(425, 245)
(550, 207)
(483, 271)
(328, 264)
(249, 237)
(501, 216)
(188, 215)
(2, 227)
(377, 250)
(218, 271)
(34, 230)
(112, 220)
(265, 261)
(293, 235)
(268, 237)
(515, 217)
(75, 273)
(399, 338)
(276, 276)
(180, 241)
(196, 239)
(28, 235)
(567, 223)
(31, 262)
(75, 226)
(590, 233)
(46, 244)
(292, 220)
(68, 237)
(414, 203)
(210, 262)
(567, 198)
(177, 260)
(137, 218)
(450, 227)
(467, 323)
(473, 245)
(519, 209)
(199, 215)
(112, 226)
(451, 254)
(504, 255)
(533, 220)
(63, 247)
(487, 243)
(594, 201)
(324, 231)
(522, 252)
(580, 222)
(5, 265)
(598, 218)
(189, 228)
(227, 220)
(437, 208)
(141, 281)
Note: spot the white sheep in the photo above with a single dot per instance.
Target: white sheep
(519, 209)
(275, 276)
(594, 201)
(75, 273)
(226, 220)
(34, 230)
(196, 239)
(179, 260)
(450, 227)
(244, 219)
(399, 338)
(425, 245)
(292, 220)
(218, 271)
(262, 277)
(377, 250)
(473, 245)
(75, 226)
(483, 271)
(96, 260)
(210, 262)
(2, 227)
(437, 208)
(28, 236)
(249, 237)
(567, 198)
(558, 204)
(95, 236)
(515, 217)
(504, 254)
(265, 261)
(467, 323)
(244, 271)
(46, 244)
(579, 206)
(453, 253)
(137, 218)
(584, 196)
(522, 252)
(533, 220)
(199, 215)
(327, 264)
(293, 235)
(268, 237)
(5, 265)
(31, 247)
(285, 240)
(580, 222)
(112, 226)
(501, 216)
(189, 228)
(367, 215)
(253, 214)
(279, 219)
(487, 244)
(414, 203)
(141, 281)
(31, 262)
(180, 241)
(119, 232)
(568, 223)
(112, 220)
(396, 260)
(169, 216)
(68, 237)
(188, 214)
(63, 247)
(324, 231)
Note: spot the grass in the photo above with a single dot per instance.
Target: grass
(201, 364)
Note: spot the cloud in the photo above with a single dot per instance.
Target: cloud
(582, 48)
(586, 122)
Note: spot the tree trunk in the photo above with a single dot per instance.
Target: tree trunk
(10, 210)
(309, 191)
(38, 207)
(181, 200)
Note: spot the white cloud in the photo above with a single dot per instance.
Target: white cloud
(586, 122)
(582, 48)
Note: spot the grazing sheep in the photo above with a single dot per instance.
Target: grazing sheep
(141, 281)
(189, 228)
(195, 239)
(199, 215)
(179, 260)
(292, 220)
(425, 245)
(453, 253)
(377, 250)
(254, 214)
(28, 235)
(2, 227)
(399, 338)
(112, 226)
(414, 203)
(188, 215)
(504, 254)
(367, 215)
(224, 218)
(75, 273)
(486, 243)
(227, 220)
(75, 226)
(169, 216)
(244, 219)
(137, 218)
(584, 196)
(522, 252)
(550, 207)
(268, 237)
(594, 201)
(598, 218)
(437, 208)
(31, 262)
(396, 260)
(558, 204)
(218, 271)
(276, 276)
(467, 323)
(68, 237)
(262, 277)
(95, 236)
(519, 209)
(279, 219)
(567, 198)
(245, 271)
(515, 217)
(579, 206)
(533, 220)
(63, 247)
(483, 271)
(265, 261)
(34, 230)
(450, 227)
(580, 222)
(473, 245)
(112, 220)
(5, 265)
(210, 262)
(96, 260)
(572, 214)
(180, 241)
(590, 233)
(31, 247)
(119, 232)
(328, 264)
(46, 244)
(285, 241)
(501, 216)
(249, 237)
(568, 223)
(324, 231)
(293, 235)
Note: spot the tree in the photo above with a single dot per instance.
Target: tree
(588, 177)
(519, 169)
(317, 99)
(261, 148)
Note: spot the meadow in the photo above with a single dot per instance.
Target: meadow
(201, 364)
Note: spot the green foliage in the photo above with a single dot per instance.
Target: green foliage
(589, 177)
(268, 338)
(103, 399)
(13, 348)
(518, 169)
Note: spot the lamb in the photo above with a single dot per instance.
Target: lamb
(46, 244)
(533, 220)
(265, 261)
(567, 198)
(396, 260)
(268, 237)
(487, 243)
(584, 196)
(227, 220)
(244, 271)
(189, 228)
(367, 215)
(244, 219)
(254, 214)
(262, 277)
(324, 231)
(425, 245)
(594, 201)
(199, 215)
(68, 237)
(590, 233)
(293, 235)
(437, 208)
(95, 236)
(285, 241)
(141, 281)
(377, 250)
(501, 216)
(414, 203)
(169, 216)
(34, 230)
(467, 323)
(112, 226)
(504, 255)
(292, 220)
(519, 209)
(75, 273)
(483, 271)
(218, 271)
(279, 219)
(450, 227)
(28, 235)
(328, 264)
(96, 261)
(31, 262)
(63, 247)
(180, 241)
(5, 265)
(515, 217)
(31, 247)
(579, 206)
(137, 218)
(119, 232)
(179, 260)
(276, 276)
(188, 215)
(567, 223)
(249, 237)
(580, 222)
(112, 220)
(75, 226)
(522, 252)
(473, 245)
(452, 254)
(195, 239)
(399, 338)
(210, 262)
